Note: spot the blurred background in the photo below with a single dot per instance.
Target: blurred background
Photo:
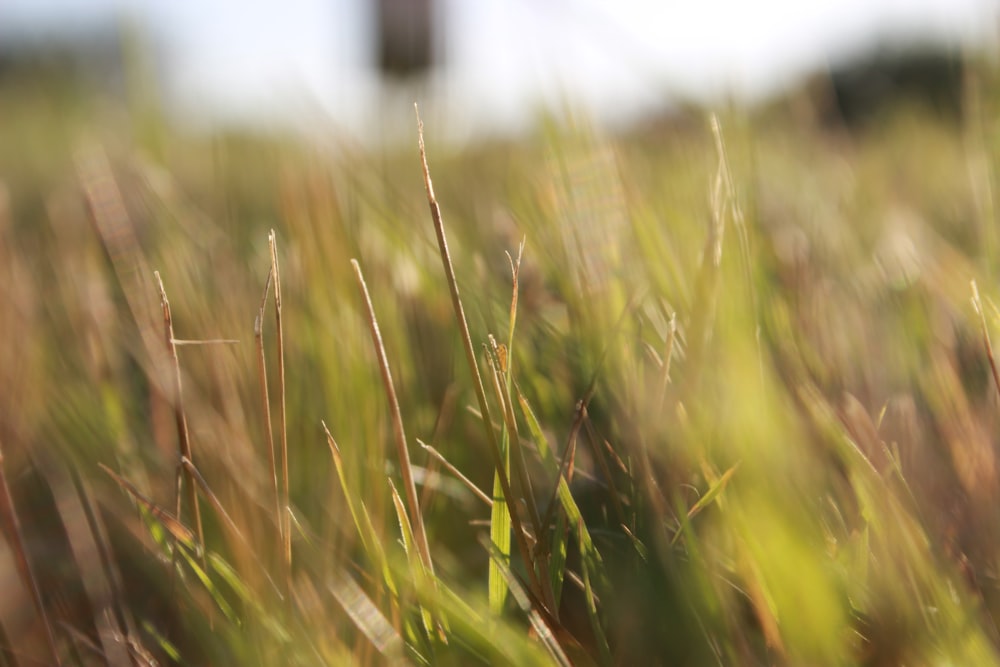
(490, 67)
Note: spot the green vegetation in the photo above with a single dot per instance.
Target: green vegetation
(732, 402)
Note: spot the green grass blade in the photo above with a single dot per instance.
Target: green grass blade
(210, 587)
(500, 522)
(558, 537)
(713, 492)
(362, 519)
(573, 515)
(418, 573)
(500, 537)
(535, 428)
(557, 557)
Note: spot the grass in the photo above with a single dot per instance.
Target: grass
(747, 414)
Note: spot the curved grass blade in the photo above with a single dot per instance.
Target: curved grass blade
(213, 590)
(551, 546)
(713, 491)
(418, 573)
(476, 491)
(177, 530)
(362, 520)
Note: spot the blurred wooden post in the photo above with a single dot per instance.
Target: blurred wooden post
(405, 37)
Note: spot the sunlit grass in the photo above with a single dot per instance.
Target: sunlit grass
(746, 415)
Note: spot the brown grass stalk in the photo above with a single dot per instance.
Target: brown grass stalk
(171, 523)
(402, 452)
(227, 521)
(286, 523)
(258, 332)
(469, 484)
(176, 400)
(470, 357)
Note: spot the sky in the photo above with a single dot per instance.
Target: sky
(270, 61)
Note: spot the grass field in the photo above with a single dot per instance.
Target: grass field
(716, 391)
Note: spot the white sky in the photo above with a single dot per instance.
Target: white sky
(256, 59)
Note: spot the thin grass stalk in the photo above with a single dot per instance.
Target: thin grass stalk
(566, 464)
(286, 523)
(551, 546)
(12, 529)
(445, 416)
(227, 520)
(470, 356)
(469, 484)
(258, 331)
(506, 367)
(184, 440)
(419, 573)
(171, 523)
(597, 444)
(402, 452)
(665, 369)
(181, 342)
(366, 532)
(500, 521)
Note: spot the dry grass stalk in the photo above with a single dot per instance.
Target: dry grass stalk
(402, 452)
(469, 484)
(286, 530)
(227, 521)
(258, 331)
(470, 357)
(171, 523)
(180, 418)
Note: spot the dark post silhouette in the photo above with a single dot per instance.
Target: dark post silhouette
(405, 37)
